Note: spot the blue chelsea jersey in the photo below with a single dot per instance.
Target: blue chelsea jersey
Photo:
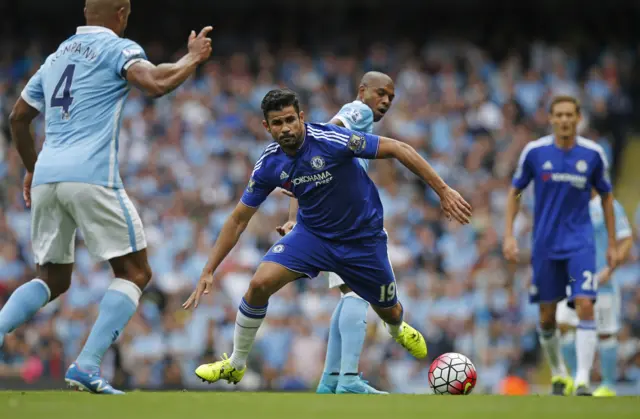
(337, 199)
(81, 88)
(563, 180)
(357, 116)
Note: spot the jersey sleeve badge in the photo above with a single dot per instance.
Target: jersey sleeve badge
(357, 143)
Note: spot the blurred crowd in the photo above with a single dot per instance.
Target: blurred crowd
(186, 158)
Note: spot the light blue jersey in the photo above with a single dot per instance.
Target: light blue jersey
(357, 116)
(81, 88)
(623, 230)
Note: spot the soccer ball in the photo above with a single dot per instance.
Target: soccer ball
(452, 373)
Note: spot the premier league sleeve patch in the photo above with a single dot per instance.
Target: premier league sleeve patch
(357, 143)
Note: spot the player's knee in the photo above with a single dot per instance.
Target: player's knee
(260, 289)
(584, 308)
(57, 277)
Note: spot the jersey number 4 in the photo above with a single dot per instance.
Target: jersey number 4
(65, 82)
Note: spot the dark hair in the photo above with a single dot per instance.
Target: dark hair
(278, 99)
(563, 99)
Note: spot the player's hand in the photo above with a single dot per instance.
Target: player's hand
(510, 249)
(200, 45)
(454, 206)
(286, 228)
(204, 287)
(604, 276)
(288, 193)
(26, 188)
(612, 257)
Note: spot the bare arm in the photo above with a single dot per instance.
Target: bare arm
(162, 79)
(229, 236)
(20, 121)
(609, 217)
(452, 203)
(513, 207)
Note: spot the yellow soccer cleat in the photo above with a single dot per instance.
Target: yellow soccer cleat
(221, 370)
(561, 386)
(604, 391)
(412, 341)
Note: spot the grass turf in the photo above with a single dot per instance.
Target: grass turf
(150, 405)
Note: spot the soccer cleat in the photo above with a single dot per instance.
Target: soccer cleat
(327, 384)
(221, 370)
(583, 390)
(412, 341)
(604, 391)
(356, 385)
(86, 381)
(561, 386)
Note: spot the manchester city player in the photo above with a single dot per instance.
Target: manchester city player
(607, 308)
(74, 183)
(339, 228)
(564, 168)
(348, 322)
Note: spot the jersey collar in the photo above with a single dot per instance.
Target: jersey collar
(82, 30)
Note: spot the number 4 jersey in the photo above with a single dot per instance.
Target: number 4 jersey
(81, 88)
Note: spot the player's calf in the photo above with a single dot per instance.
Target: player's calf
(586, 342)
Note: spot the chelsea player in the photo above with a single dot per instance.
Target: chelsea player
(339, 228)
(74, 183)
(607, 307)
(564, 168)
(348, 323)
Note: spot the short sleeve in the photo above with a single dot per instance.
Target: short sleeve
(601, 178)
(623, 228)
(356, 116)
(524, 173)
(33, 92)
(128, 53)
(259, 187)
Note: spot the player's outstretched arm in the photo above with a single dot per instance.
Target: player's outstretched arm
(452, 203)
(510, 245)
(20, 122)
(159, 80)
(228, 238)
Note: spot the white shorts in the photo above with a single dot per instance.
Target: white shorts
(334, 280)
(607, 314)
(108, 221)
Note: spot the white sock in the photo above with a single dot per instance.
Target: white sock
(550, 343)
(586, 345)
(394, 329)
(248, 321)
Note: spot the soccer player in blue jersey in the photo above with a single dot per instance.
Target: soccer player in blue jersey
(74, 183)
(348, 322)
(564, 168)
(607, 307)
(339, 228)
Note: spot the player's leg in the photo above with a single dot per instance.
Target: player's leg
(547, 288)
(53, 238)
(112, 231)
(607, 314)
(296, 255)
(331, 371)
(567, 321)
(581, 268)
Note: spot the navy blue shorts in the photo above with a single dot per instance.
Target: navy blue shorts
(557, 279)
(364, 266)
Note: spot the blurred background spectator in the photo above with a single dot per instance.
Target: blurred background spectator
(472, 88)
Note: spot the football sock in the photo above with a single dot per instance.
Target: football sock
(568, 348)
(608, 361)
(23, 304)
(586, 343)
(550, 344)
(332, 360)
(396, 329)
(248, 321)
(117, 307)
(353, 328)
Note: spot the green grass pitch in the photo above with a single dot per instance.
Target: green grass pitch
(184, 405)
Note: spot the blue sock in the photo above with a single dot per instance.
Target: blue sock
(353, 328)
(23, 304)
(116, 309)
(334, 345)
(568, 348)
(608, 361)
